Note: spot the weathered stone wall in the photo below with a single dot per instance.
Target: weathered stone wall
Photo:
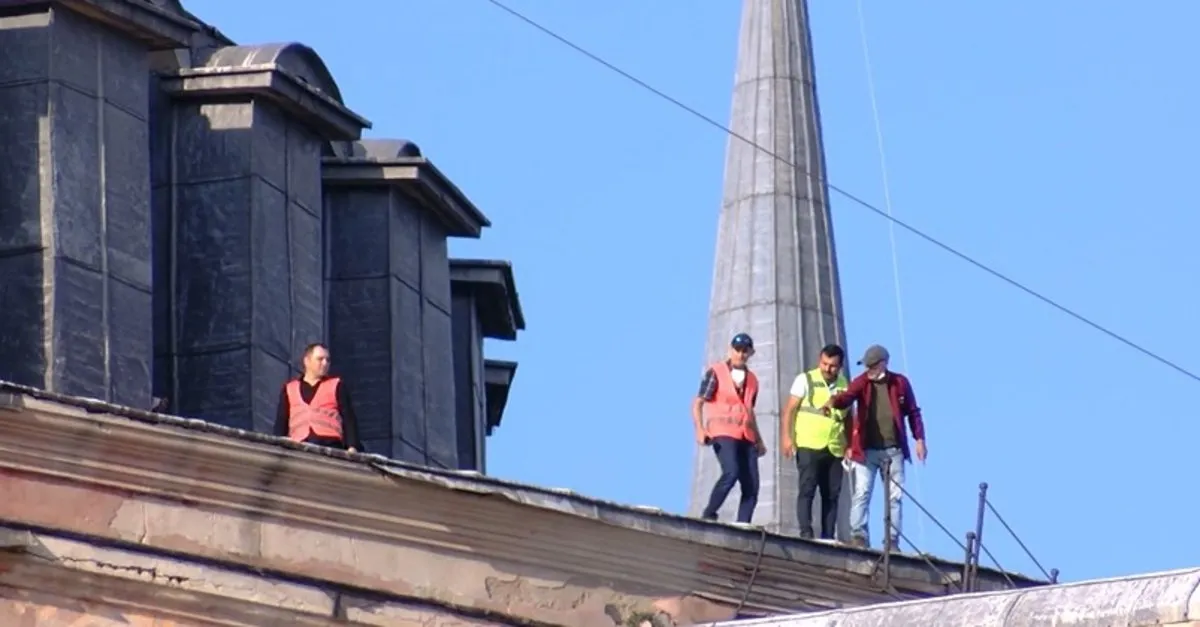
(34, 609)
(57, 582)
(74, 207)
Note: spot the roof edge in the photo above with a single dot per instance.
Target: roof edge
(172, 435)
(494, 284)
(498, 379)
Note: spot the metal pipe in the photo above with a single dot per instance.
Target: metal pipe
(966, 576)
(983, 488)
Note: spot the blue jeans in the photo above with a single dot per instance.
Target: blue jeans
(862, 484)
(739, 465)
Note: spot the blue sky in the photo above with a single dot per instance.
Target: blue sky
(1053, 141)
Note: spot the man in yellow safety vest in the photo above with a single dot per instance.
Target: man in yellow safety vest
(817, 440)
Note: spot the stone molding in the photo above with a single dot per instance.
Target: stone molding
(412, 173)
(329, 118)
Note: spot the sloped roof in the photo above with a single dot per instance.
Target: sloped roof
(1166, 598)
(790, 573)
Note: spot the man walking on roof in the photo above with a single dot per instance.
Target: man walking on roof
(723, 415)
(315, 407)
(817, 440)
(877, 433)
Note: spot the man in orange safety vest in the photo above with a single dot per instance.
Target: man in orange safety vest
(723, 415)
(315, 407)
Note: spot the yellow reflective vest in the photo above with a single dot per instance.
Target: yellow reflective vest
(815, 430)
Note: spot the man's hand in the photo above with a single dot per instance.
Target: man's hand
(351, 450)
(701, 436)
(921, 452)
(789, 447)
(827, 407)
(760, 447)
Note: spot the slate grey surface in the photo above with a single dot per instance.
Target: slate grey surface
(389, 320)
(247, 285)
(1168, 598)
(470, 400)
(775, 273)
(74, 97)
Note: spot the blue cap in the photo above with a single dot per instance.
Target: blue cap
(742, 340)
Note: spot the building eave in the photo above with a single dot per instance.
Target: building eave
(495, 288)
(498, 377)
(417, 177)
(159, 462)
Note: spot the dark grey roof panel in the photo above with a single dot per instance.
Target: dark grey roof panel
(297, 59)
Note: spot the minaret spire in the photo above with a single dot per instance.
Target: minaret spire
(775, 275)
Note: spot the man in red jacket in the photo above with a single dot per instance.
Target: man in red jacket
(877, 433)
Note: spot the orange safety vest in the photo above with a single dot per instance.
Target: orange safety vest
(319, 417)
(728, 415)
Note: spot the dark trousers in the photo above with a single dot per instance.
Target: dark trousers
(739, 465)
(326, 442)
(818, 470)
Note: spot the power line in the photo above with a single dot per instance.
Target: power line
(849, 196)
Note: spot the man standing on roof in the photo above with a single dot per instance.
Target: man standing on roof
(817, 440)
(315, 407)
(885, 399)
(723, 414)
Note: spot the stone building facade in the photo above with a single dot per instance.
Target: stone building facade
(180, 215)
(115, 517)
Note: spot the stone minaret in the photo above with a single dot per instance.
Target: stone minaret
(775, 275)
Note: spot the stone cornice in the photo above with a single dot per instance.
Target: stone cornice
(323, 113)
(417, 176)
(350, 519)
(499, 306)
(171, 587)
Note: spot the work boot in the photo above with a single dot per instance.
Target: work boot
(859, 542)
(806, 535)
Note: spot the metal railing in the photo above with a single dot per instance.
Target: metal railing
(972, 549)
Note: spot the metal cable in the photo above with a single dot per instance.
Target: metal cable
(1012, 533)
(762, 545)
(851, 197)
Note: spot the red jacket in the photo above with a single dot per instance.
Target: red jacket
(904, 404)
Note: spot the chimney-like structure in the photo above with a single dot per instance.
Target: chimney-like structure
(775, 275)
